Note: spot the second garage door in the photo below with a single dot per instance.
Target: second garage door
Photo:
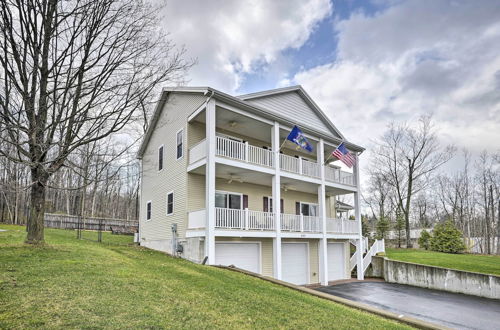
(294, 263)
(241, 255)
(336, 261)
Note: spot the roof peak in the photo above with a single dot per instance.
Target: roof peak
(271, 92)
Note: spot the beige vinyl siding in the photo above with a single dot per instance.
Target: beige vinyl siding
(156, 184)
(266, 252)
(313, 257)
(296, 108)
(196, 192)
(196, 133)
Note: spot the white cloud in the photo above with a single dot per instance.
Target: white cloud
(231, 38)
(416, 57)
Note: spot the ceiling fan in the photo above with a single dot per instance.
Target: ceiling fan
(287, 187)
(232, 178)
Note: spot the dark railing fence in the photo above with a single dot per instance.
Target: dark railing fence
(64, 221)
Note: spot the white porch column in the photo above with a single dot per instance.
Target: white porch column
(323, 255)
(276, 187)
(210, 182)
(359, 245)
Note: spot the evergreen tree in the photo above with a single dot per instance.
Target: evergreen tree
(424, 240)
(447, 238)
(382, 228)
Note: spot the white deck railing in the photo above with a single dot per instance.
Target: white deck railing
(197, 152)
(336, 175)
(243, 219)
(300, 223)
(243, 151)
(299, 166)
(341, 226)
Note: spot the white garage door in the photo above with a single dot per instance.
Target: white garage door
(242, 255)
(294, 263)
(336, 261)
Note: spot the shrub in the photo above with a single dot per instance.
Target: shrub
(424, 240)
(447, 238)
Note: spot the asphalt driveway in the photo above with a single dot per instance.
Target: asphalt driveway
(449, 309)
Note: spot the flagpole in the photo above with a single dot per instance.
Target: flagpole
(281, 146)
(328, 159)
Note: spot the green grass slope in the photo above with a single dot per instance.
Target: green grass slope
(74, 283)
(487, 264)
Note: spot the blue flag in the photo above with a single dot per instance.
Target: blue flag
(297, 137)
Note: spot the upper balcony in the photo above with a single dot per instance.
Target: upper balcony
(247, 153)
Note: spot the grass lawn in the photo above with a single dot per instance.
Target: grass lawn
(487, 264)
(74, 283)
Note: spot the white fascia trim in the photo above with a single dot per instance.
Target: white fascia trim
(247, 166)
(197, 164)
(243, 233)
(285, 234)
(300, 177)
(350, 188)
(197, 112)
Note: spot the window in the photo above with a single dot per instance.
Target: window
(228, 200)
(148, 210)
(160, 158)
(170, 203)
(180, 139)
(309, 209)
(268, 204)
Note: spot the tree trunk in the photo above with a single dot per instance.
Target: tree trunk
(37, 210)
(406, 212)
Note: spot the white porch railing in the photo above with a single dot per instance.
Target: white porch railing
(243, 219)
(336, 175)
(196, 219)
(300, 223)
(243, 151)
(197, 152)
(299, 166)
(341, 226)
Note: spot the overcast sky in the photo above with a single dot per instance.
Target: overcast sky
(365, 63)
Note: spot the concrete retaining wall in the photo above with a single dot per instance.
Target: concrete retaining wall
(438, 278)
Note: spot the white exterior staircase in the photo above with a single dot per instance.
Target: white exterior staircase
(377, 247)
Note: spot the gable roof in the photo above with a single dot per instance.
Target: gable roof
(298, 105)
(250, 102)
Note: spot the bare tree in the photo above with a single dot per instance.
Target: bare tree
(74, 72)
(407, 157)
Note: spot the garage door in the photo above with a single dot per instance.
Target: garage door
(336, 261)
(294, 263)
(242, 255)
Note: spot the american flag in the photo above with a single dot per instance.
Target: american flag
(344, 155)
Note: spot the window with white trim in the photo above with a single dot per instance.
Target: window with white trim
(160, 158)
(170, 203)
(309, 209)
(228, 200)
(148, 211)
(180, 142)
